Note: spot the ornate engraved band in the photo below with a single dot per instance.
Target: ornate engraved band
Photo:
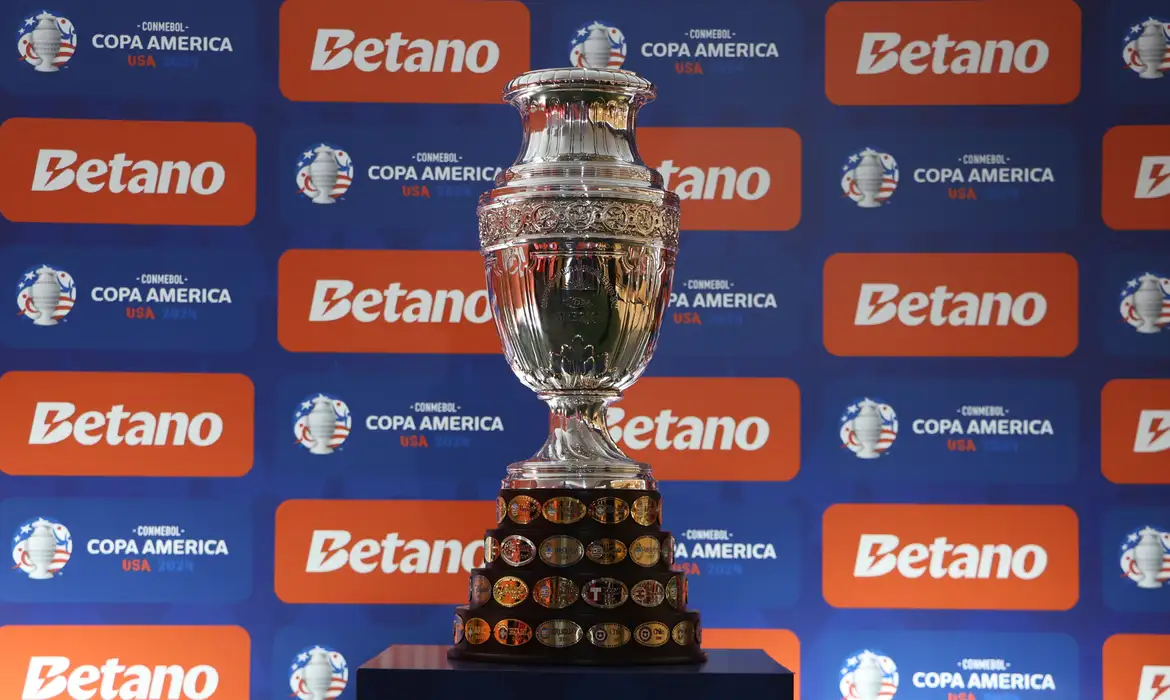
(571, 218)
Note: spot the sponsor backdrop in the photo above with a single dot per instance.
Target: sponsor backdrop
(911, 404)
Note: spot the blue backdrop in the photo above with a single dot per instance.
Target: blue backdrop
(1057, 213)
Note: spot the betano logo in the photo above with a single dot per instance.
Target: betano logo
(950, 305)
(409, 301)
(1135, 431)
(952, 53)
(370, 552)
(126, 424)
(437, 51)
(729, 179)
(1135, 178)
(150, 662)
(1136, 667)
(93, 171)
(950, 557)
(684, 425)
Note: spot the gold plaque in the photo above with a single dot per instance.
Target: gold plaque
(652, 634)
(648, 593)
(672, 592)
(668, 550)
(609, 635)
(491, 549)
(501, 509)
(458, 629)
(645, 510)
(606, 551)
(698, 632)
(517, 550)
(683, 633)
(510, 591)
(524, 509)
(555, 592)
(645, 550)
(564, 510)
(480, 590)
(604, 593)
(609, 510)
(477, 631)
(561, 551)
(512, 632)
(559, 634)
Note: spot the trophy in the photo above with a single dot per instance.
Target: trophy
(579, 239)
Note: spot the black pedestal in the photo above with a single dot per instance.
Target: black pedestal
(425, 673)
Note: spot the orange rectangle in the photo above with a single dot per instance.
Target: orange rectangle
(729, 179)
(711, 428)
(1135, 178)
(94, 661)
(393, 301)
(1135, 431)
(126, 424)
(369, 552)
(950, 305)
(952, 557)
(437, 51)
(953, 53)
(1136, 666)
(99, 171)
(782, 645)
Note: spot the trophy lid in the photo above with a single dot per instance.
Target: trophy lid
(574, 79)
(578, 172)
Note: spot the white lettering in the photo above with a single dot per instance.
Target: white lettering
(54, 171)
(879, 303)
(331, 52)
(51, 425)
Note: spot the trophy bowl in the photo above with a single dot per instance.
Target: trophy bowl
(579, 239)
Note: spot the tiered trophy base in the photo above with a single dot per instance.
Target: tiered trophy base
(578, 577)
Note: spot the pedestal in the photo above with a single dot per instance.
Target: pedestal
(425, 673)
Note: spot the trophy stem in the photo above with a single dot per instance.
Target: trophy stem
(579, 452)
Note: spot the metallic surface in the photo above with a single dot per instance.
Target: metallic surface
(579, 239)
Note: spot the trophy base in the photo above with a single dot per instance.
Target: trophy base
(578, 577)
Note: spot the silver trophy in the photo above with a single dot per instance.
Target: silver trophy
(46, 43)
(1151, 49)
(1147, 303)
(579, 239)
(46, 296)
(323, 174)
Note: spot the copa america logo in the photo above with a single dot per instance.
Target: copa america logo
(41, 548)
(868, 675)
(1147, 48)
(869, 427)
(1145, 302)
(597, 45)
(45, 294)
(322, 424)
(324, 173)
(46, 41)
(318, 673)
(1145, 557)
(869, 177)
